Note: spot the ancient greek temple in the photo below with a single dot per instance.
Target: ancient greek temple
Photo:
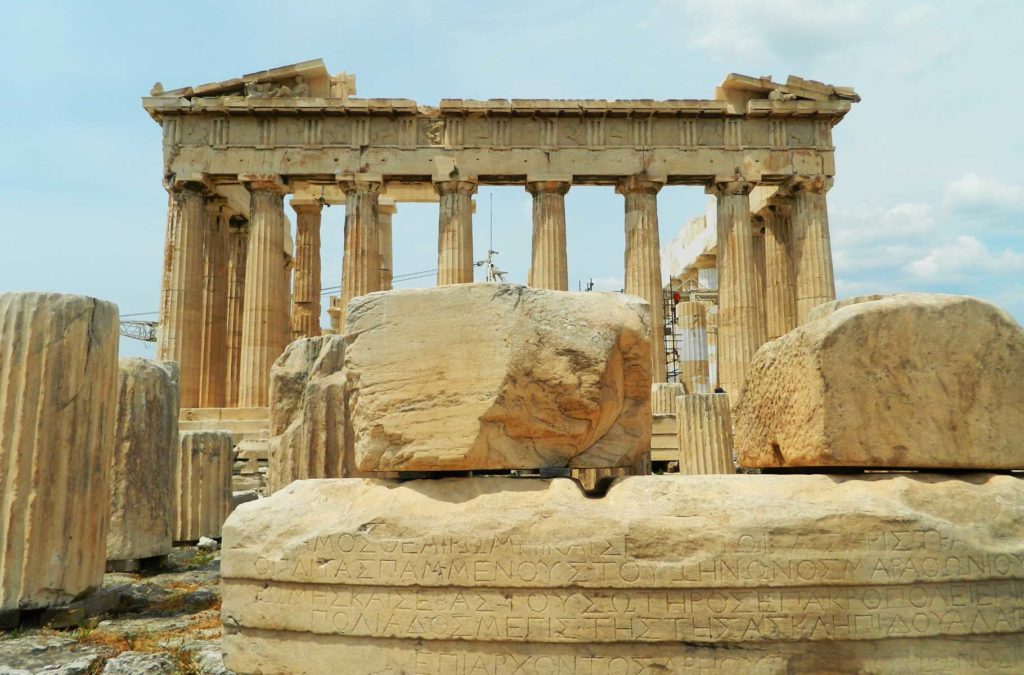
(235, 291)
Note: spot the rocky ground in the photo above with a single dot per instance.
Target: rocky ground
(164, 620)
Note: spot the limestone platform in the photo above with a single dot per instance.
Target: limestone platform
(667, 574)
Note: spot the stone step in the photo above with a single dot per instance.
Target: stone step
(254, 449)
(224, 414)
(248, 428)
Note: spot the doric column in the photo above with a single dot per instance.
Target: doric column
(360, 268)
(180, 337)
(264, 326)
(237, 251)
(549, 267)
(643, 259)
(757, 227)
(306, 306)
(284, 292)
(739, 313)
(811, 244)
(780, 289)
(213, 369)
(386, 209)
(455, 232)
(712, 321)
(691, 318)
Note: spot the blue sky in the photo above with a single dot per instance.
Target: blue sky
(929, 193)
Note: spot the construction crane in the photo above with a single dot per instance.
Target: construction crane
(493, 273)
(140, 330)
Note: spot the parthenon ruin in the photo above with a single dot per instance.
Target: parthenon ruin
(233, 149)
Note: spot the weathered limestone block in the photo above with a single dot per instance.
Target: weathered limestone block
(144, 466)
(705, 434)
(309, 414)
(738, 573)
(58, 403)
(202, 486)
(907, 380)
(497, 376)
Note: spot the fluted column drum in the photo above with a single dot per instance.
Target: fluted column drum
(812, 245)
(705, 434)
(58, 406)
(739, 315)
(180, 337)
(213, 371)
(264, 332)
(386, 210)
(692, 343)
(237, 251)
(643, 260)
(306, 277)
(455, 232)
(780, 287)
(549, 266)
(202, 486)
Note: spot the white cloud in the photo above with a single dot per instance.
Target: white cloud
(964, 256)
(971, 190)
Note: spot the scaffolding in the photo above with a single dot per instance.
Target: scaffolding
(669, 300)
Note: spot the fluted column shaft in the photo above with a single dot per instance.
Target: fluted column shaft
(739, 315)
(811, 244)
(780, 289)
(306, 306)
(237, 251)
(691, 318)
(455, 232)
(213, 369)
(360, 269)
(705, 434)
(643, 260)
(180, 337)
(385, 212)
(549, 266)
(757, 228)
(264, 331)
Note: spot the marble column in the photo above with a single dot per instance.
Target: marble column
(739, 313)
(705, 435)
(306, 306)
(811, 244)
(360, 270)
(643, 260)
(455, 232)
(780, 288)
(237, 251)
(691, 318)
(549, 266)
(386, 209)
(213, 369)
(757, 227)
(180, 337)
(264, 326)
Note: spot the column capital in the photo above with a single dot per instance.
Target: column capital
(387, 206)
(193, 182)
(639, 183)
(306, 205)
(462, 187)
(560, 187)
(730, 188)
(366, 183)
(267, 182)
(805, 183)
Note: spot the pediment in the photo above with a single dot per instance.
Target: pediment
(308, 79)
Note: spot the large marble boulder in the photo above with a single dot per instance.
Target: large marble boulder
(664, 574)
(498, 376)
(145, 462)
(906, 380)
(58, 404)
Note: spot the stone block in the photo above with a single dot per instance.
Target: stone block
(498, 376)
(58, 403)
(705, 438)
(309, 412)
(740, 573)
(202, 486)
(664, 395)
(144, 466)
(910, 380)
